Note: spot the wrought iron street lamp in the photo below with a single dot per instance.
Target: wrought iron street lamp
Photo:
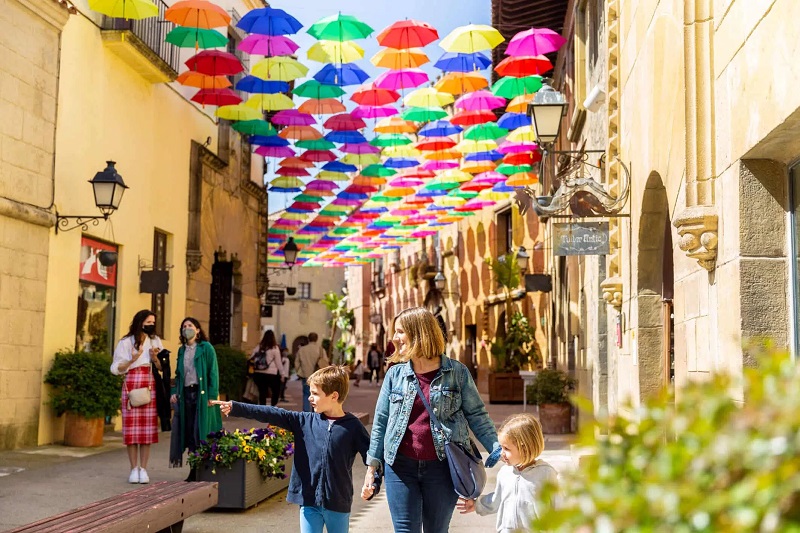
(546, 111)
(290, 250)
(439, 281)
(108, 190)
(522, 259)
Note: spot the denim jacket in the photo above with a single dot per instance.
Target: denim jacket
(454, 399)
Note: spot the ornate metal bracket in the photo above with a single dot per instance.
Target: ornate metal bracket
(80, 221)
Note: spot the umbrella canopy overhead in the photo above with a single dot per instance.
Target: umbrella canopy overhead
(252, 84)
(191, 78)
(323, 106)
(399, 59)
(196, 38)
(534, 42)
(339, 28)
(125, 9)
(341, 75)
(461, 82)
(461, 62)
(268, 45)
(279, 68)
(335, 52)
(407, 34)
(315, 89)
(471, 38)
(215, 63)
(197, 14)
(369, 95)
(401, 79)
(269, 21)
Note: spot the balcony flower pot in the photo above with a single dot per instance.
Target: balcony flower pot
(241, 486)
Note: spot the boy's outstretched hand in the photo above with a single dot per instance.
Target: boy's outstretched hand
(465, 506)
(225, 407)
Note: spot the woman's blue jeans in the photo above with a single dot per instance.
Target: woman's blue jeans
(313, 519)
(420, 495)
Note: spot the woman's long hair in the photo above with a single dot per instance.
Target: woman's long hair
(424, 335)
(135, 329)
(268, 340)
(201, 335)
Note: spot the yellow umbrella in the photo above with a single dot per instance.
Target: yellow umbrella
(461, 82)
(489, 194)
(270, 102)
(125, 9)
(395, 59)
(333, 176)
(395, 125)
(335, 52)
(238, 112)
(287, 182)
(361, 160)
(523, 134)
(520, 103)
(471, 38)
(456, 175)
(281, 68)
(428, 97)
(468, 146)
(295, 216)
(400, 151)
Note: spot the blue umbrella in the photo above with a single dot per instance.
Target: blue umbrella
(285, 189)
(269, 21)
(400, 162)
(341, 75)
(512, 121)
(502, 187)
(491, 155)
(273, 140)
(346, 136)
(252, 84)
(353, 195)
(439, 128)
(424, 193)
(338, 166)
(459, 62)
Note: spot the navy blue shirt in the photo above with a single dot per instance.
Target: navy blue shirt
(324, 452)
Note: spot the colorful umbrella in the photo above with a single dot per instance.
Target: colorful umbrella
(215, 63)
(437, 165)
(522, 66)
(509, 87)
(344, 136)
(255, 127)
(524, 134)
(461, 82)
(293, 117)
(343, 122)
(400, 162)
(275, 151)
(470, 118)
(270, 102)
(512, 121)
(269, 21)
(534, 42)
(510, 147)
(315, 144)
(399, 59)
(361, 160)
(125, 9)
(291, 171)
(520, 104)
(252, 84)
(407, 34)
(335, 52)
(295, 162)
(435, 143)
(197, 14)
(401, 79)
(196, 38)
(315, 89)
(395, 125)
(281, 68)
(339, 28)
(488, 130)
(382, 111)
(440, 128)
(301, 133)
(443, 155)
(324, 106)
(369, 95)
(460, 62)
(523, 158)
(390, 139)
(268, 45)
(216, 97)
(471, 38)
(237, 112)
(522, 179)
(318, 156)
(479, 101)
(341, 75)
(272, 140)
(191, 78)
(401, 151)
(423, 114)
(427, 97)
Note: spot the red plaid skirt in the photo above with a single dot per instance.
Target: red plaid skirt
(139, 424)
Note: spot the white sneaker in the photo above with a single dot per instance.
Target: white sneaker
(134, 477)
(143, 478)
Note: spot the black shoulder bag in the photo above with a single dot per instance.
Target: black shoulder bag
(466, 468)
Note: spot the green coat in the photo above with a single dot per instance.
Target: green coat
(209, 419)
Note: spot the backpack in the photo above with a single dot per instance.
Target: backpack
(260, 360)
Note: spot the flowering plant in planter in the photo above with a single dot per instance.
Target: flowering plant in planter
(269, 447)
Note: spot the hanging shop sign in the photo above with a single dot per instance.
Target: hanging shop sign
(580, 238)
(275, 297)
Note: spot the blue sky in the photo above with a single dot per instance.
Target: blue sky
(444, 15)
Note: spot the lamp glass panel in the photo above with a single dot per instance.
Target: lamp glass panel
(117, 196)
(104, 193)
(547, 122)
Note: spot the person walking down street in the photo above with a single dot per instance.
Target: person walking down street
(358, 372)
(374, 363)
(134, 354)
(285, 372)
(268, 368)
(309, 358)
(418, 484)
(196, 385)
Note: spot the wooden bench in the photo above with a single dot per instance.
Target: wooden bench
(364, 417)
(160, 507)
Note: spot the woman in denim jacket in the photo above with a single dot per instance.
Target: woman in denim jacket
(418, 484)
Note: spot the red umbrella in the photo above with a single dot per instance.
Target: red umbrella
(215, 63)
(435, 143)
(305, 206)
(292, 171)
(318, 156)
(523, 158)
(470, 118)
(216, 97)
(369, 95)
(407, 34)
(344, 122)
(521, 66)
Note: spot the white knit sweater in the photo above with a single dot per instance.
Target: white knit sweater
(517, 497)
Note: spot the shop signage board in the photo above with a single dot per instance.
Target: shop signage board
(275, 297)
(580, 238)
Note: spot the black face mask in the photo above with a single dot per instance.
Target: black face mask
(149, 329)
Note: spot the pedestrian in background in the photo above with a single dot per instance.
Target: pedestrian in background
(268, 368)
(134, 354)
(358, 372)
(419, 488)
(285, 372)
(309, 358)
(374, 363)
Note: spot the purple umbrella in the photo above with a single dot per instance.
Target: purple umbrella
(479, 101)
(382, 111)
(293, 117)
(275, 151)
(509, 147)
(360, 148)
(268, 45)
(401, 79)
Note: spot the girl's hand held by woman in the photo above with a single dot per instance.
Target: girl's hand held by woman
(465, 506)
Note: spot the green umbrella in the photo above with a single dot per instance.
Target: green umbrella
(316, 144)
(509, 87)
(508, 170)
(306, 198)
(441, 185)
(386, 199)
(463, 194)
(317, 90)
(255, 127)
(378, 171)
(339, 28)
(390, 139)
(344, 231)
(423, 114)
(186, 37)
(385, 224)
(483, 132)
(280, 230)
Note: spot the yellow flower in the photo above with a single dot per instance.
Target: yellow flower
(218, 457)
(247, 449)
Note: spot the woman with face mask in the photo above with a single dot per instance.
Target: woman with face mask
(134, 354)
(196, 385)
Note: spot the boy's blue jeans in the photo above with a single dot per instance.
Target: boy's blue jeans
(420, 495)
(306, 394)
(312, 520)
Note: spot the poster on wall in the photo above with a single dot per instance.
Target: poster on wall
(95, 264)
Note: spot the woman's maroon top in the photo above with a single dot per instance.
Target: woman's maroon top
(417, 442)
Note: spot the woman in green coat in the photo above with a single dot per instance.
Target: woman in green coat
(196, 384)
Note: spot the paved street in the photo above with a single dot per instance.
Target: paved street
(36, 483)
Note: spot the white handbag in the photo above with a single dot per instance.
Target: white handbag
(138, 397)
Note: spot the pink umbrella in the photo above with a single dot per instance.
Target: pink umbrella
(359, 148)
(534, 42)
(292, 171)
(480, 101)
(509, 147)
(288, 222)
(293, 117)
(401, 79)
(403, 212)
(423, 233)
(275, 151)
(364, 111)
(476, 204)
(438, 165)
(322, 185)
(268, 45)
(490, 177)
(344, 122)
(405, 182)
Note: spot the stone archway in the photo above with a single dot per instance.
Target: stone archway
(654, 287)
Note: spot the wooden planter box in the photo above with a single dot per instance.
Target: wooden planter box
(505, 387)
(82, 432)
(555, 418)
(242, 486)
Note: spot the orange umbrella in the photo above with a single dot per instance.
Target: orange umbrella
(300, 133)
(394, 59)
(461, 82)
(295, 162)
(197, 14)
(476, 167)
(192, 78)
(520, 103)
(395, 125)
(443, 155)
(398, 192)
(364, 180)
(324, 106)
(522, 179)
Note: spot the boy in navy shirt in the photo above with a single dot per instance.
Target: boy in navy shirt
(326, 443)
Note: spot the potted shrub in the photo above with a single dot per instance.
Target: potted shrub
(550, 391)
(232, 365)
(511, 354)
(249, 465)
(86, 391)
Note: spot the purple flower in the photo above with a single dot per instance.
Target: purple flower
(234, 449)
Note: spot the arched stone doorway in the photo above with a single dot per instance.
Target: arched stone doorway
(655, 282)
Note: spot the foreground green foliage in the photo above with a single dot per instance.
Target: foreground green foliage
(705, 463)
(83, 384)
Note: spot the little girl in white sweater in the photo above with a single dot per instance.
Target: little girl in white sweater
(517, 498)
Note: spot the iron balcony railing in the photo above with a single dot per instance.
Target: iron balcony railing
(152, 32)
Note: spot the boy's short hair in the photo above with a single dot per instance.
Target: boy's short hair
(332, 379)
(525, 432)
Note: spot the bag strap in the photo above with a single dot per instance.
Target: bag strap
(427, 405)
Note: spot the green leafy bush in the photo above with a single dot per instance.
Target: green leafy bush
(550, 386)
(83, 384)
(704, 463)
(232, 364)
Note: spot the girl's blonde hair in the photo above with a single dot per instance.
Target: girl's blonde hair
(525, 432)
(424, 335)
